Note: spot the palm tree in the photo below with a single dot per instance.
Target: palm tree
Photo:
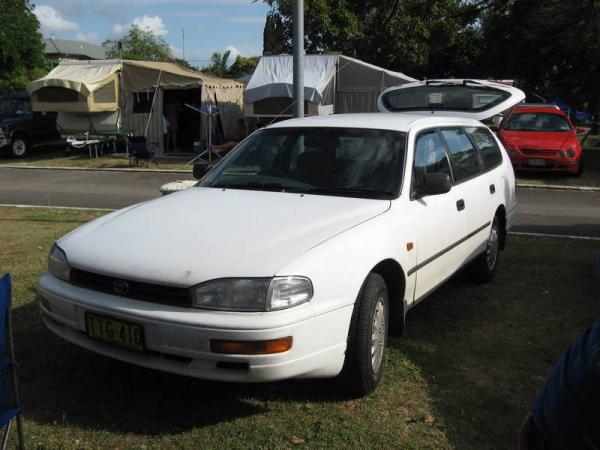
(218, 64)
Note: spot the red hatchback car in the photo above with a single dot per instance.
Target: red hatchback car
(541, 137)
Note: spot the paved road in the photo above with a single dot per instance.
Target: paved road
(93, 189)
(575, 213)
(540, 211)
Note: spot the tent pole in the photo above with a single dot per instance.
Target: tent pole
(153, 101)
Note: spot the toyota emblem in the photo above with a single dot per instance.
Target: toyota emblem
(120, 287)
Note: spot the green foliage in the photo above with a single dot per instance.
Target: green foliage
(140, 45)
(21, 47)
(219, 65)
(552, 46)
(419, 38)
(242, 66)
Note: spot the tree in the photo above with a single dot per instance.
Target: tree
(551, 46)
(421, 38)
(242, 66)
(139, 44)
(21, 47)
(218, 64)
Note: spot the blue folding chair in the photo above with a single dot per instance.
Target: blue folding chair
(10, 402)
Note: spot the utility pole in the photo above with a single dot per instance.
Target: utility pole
(298, 58)
(183, 39)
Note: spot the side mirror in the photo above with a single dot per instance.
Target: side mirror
(435, 184)
(580, 130)
(495, 128)
(200, 169)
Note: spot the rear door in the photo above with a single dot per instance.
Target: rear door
(474, 99)
(477, 184)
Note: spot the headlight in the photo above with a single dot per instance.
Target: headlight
(58, 264)
(571, 153)
(252, 294)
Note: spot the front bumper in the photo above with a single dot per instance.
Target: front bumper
(552, 164)
(3, 139)
(177, 340)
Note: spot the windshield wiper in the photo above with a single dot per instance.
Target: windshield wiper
(350, 190)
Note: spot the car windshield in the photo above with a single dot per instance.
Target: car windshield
(14, 106)
(317, 160)
(537, 121)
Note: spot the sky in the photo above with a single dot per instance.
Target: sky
(210, 25)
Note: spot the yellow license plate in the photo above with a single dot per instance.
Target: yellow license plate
(114, 331)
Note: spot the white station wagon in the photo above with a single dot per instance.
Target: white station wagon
(296, 254)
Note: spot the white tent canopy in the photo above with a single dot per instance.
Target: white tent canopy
(274, 77)
(332, 83)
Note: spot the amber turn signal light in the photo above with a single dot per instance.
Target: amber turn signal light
(251, 347)
(44, 302)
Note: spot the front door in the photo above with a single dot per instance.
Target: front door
(440, 219)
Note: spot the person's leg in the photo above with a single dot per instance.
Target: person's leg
(224, 148)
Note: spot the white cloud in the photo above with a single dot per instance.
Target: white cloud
(233, 54)
(246, 19)
(92, 36)
(51, 21)
(154, 24)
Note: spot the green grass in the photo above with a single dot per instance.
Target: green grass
(463, 376)
(60, 159)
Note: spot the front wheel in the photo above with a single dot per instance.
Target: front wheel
(367, 338)
(483, 268)
(19, 147)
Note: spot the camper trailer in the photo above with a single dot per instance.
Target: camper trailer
(136, 98)
(333, 84)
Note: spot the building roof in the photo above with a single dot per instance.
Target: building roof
(63, 47)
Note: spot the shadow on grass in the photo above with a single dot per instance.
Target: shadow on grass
(485, 349)
(64, 384)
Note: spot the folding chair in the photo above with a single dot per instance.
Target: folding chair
(139, 151)
(10, 402)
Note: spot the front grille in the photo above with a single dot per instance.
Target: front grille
(538, 151)
(152, 293)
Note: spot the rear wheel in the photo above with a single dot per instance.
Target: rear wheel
(367, 339)
(19, 146)
(483, 268)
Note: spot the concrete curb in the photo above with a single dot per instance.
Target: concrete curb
(558, 187)
(98, 169)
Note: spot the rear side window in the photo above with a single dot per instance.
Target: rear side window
(465, 160)
(488, 147)
(430, 157)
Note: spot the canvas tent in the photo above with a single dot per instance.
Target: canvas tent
(118, 96)
(332, 84)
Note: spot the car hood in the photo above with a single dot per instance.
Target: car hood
(201, 234)
(538, 140)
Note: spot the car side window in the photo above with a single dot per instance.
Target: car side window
(430, 157)
(488, 147)
(464, 156)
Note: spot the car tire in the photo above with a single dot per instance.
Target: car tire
(19, 146)
(483, 268)
(367, 338)
(579, 171)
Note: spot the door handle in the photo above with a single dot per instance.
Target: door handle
(460, 204)
(492, 189)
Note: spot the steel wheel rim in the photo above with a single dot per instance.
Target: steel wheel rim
(378, 335)
(492, 248)
(19, 147)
